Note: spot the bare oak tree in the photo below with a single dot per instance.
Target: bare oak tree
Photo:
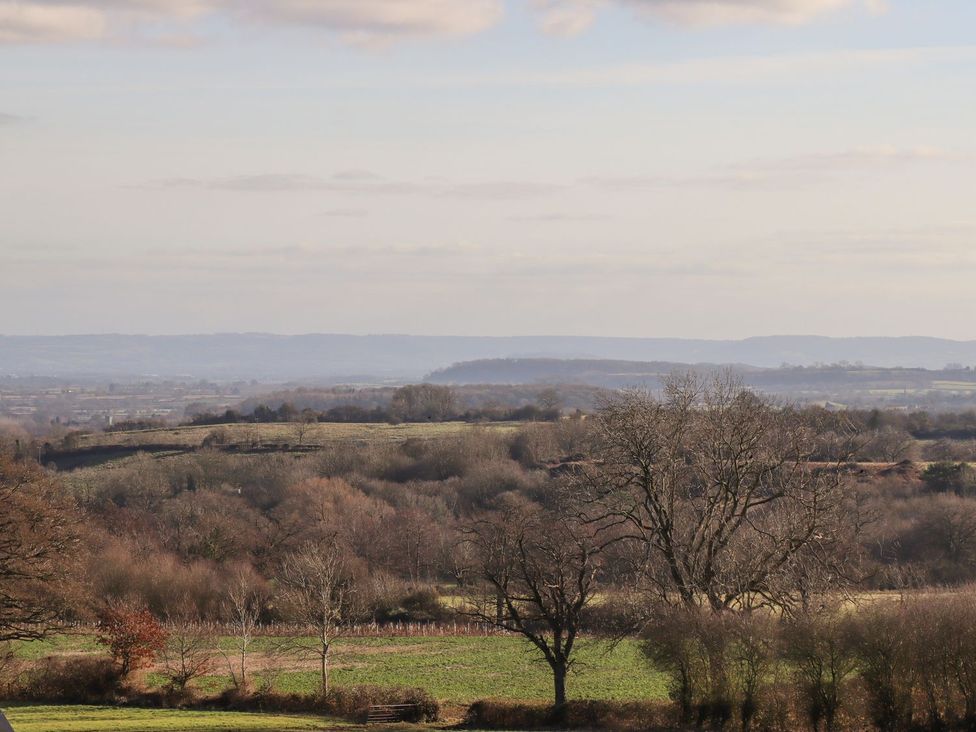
(715, 488)
(534, 574)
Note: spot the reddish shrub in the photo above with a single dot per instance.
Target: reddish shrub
(134, 637)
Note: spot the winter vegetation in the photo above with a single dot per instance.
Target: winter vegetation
(703, 556)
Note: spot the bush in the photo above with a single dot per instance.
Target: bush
(10, 670)
(958, 478)
(81, 680)
(943, 635)
(882, 640)
(822, 660)
(419, 606)
(134, 637)
(501, 715)
(718, 664)
(352, 702)
(604, 715)
(355, 701)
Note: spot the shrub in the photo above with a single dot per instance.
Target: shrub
(10, 670)
(346, 701)
(604, 715)
(822, 662)
(419, 606)
(82, 680)
(881, 638)
(718, 664)
(134, 637)
(487, 714)
(943, 635)
(690, 646)
(355, 701)
(958, 478)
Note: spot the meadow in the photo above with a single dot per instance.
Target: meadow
(98, 719)
(456, 670)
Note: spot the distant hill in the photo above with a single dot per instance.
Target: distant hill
(604, 373)
(848, 385)
(345, 358)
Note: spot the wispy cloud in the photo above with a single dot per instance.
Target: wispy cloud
(11, 119)
(33, 22)
(566, 18)
(347, 213)
(367, 22)
(360, 182)
(722, 12)
(289, 183)
(570, 17)
(498, 190)
(556, 218)
(379, 21)
(780, 173)
(758, 174)
(857, 158)
(787, 67)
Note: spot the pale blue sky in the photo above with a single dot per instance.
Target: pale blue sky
(700, 168)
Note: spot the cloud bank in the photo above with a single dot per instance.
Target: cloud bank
(370, 22)
(355, 21)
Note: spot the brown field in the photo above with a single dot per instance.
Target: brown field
(288, 433)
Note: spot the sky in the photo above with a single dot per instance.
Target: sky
(680, 168)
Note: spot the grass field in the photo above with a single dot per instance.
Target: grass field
(455, 670)
(314, 434)
(100, 719)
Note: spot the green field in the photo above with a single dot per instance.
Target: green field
(455, 670)
(100, 719)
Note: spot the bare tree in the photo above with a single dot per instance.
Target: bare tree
(187, 654)
(317, 591)
(303, 425)
(537, 572)
(891, 445)
(243, 606)
(189, 649)
(38, 540)
(549, 400)
(715, 487)
(423, 403)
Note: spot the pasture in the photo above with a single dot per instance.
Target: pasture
(456, 670)
(113, 448)
(99, 719)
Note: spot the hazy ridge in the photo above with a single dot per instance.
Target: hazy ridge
(403, 357)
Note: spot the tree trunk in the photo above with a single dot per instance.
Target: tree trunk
(325, 673)
(559, 687)
(243, 670)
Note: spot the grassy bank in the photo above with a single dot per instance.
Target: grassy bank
(99, 719)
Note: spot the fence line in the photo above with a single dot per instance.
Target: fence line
(358, 630)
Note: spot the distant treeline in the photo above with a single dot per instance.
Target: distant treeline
(414, 403)
(921, 425)
(853, 385)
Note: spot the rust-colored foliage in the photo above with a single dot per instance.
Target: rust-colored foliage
(133, 636)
